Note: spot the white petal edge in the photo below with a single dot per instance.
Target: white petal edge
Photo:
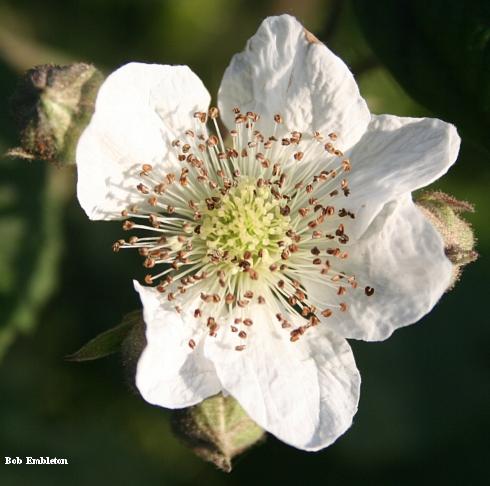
(285, 70)
(169, 373)
(305, 393)
(140, 109)
(396, 156)
(402, 257)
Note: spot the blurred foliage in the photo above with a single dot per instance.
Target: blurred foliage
(31, 207)
(439, 51)
(423, 417)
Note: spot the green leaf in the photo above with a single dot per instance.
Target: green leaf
(217, 430)
(439, 51)
(108, 342)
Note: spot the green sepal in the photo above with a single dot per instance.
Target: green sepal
(217, 430)
(108, 342)
(445, 213)
(52, 105)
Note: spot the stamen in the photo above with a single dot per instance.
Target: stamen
(255, 223)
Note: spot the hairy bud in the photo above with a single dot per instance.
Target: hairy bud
(445, 213)
(217, 430)
(52, 105)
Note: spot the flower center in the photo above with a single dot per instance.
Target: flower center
(258, 223)
(247, 221)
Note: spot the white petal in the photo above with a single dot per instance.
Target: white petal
(170, 374)
(305, 393)
(140, 109)
(285, 70)
(394, 157)
(402, 257)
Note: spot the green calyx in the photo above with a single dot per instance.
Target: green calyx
(445, 213)
(217, 430)
(52, 105)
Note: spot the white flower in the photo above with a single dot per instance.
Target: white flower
(268, 251)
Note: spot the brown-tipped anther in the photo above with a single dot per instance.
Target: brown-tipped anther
(240, 348)
(317, 136)
(327, 313)
(332, 136)
(341, 290)
(242, 335)
(213, 113)
(148, 279)
(295, 335)
(303, 211)
(247, 322)
(128, 225)
(369, 291)
(143, 251)
(314, 321)
(278, 118)
(201, 116)
(329, 148)
(192, 343)
(343, 306)
(153, 220)
(149, 263)
(143, 189)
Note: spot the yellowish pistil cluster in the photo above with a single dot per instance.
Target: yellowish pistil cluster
(246, 221)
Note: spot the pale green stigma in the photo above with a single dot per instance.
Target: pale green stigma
(246, 221)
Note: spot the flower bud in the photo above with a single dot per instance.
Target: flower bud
(217, 430)
(444, 212)
(51, 106)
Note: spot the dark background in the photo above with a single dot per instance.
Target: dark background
(424, 410)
